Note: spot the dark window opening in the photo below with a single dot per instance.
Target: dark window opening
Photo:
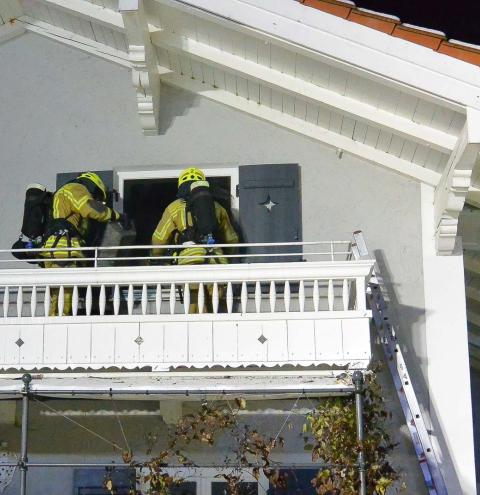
(296, 482)
(246, 488)
(146, 199)
(89, 481)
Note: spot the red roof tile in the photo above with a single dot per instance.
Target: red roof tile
(391, 25)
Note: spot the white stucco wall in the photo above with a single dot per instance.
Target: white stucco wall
(448, 362)
(63, 110)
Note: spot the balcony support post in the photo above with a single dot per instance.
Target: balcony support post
(23, 463)
(358, 382)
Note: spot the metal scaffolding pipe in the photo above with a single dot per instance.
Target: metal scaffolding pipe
(344, 390)
(358, 381)
(23, 463)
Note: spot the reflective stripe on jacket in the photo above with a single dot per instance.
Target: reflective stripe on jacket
(74, 203)
(174, 220)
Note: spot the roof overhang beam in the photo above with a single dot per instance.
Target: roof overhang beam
(330, 138)
(75, 40)
(309, 92)
(90, 12)
(455, 183)
(381, 57)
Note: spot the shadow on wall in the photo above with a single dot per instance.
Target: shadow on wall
(475, 385)
(409, 316)
(174, 103)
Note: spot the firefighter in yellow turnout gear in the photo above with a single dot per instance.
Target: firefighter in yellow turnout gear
(177, 224)
(74, 205)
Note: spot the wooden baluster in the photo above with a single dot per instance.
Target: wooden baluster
(6, 301)
(331, 295)
(286, 296)
(102, 301)
(61, 300)
(88, 300)
(244, 297)
(19, 301)
(315, 295)
(273, 296)
(361, 303)
(116, 300)
(301, 296)
(201, 297)
(229, 298)
(75, 300)
(130, 299)
(345, 294)
(46, 300)
(172, 299)
(158, 299)
(186, 298)
(215, 298)
(258, 297)
(33, 301)
(144, 299)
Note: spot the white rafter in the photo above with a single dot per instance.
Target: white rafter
(308, 91)
(68, 38)
(313, 131)
(143, 57)
(90, 12)
(455, 182)
(411, 68)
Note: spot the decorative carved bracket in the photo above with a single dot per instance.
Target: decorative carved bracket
(142, 55)
(452, 190)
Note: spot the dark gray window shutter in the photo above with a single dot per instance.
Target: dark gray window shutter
(270, 208)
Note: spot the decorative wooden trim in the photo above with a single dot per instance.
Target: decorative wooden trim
(304, 128)
(454, 185)
(77, 41)
(142, 55)
(309, 92)
(418, 71)
(90, 12)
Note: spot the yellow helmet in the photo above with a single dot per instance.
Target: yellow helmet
(189, 174)
(96, 181)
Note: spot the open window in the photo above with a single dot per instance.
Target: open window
(146, 199)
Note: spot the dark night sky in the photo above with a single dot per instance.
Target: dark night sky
(458, 19)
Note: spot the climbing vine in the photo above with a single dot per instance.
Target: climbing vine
(332, 424)
(251, 451)
(329, 432)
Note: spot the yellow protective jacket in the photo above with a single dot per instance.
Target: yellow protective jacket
(74, 203)
(174, 220)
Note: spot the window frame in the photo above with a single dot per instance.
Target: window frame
(171, 172)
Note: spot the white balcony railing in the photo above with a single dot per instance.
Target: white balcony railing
(262, 314)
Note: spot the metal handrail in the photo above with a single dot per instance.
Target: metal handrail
(97, 258)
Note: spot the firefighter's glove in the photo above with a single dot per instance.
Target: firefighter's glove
(123, 220)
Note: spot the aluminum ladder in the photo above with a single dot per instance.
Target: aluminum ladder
(403, 385)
